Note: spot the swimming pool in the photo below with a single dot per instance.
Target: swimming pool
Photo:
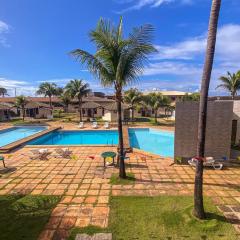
(92, 137)
(14, 134)
(150, 140)
(154, 141)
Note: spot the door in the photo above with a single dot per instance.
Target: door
(234, 132)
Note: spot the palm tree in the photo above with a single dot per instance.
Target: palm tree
(230, 82)
(21, 102)
(207, 70)
(3, 91)
(191, 97)
(66, 100)
(78, 89)
(132, 97)
(49, 90)
(117, 62)
(156, 101)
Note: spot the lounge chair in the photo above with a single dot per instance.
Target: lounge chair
(81, 125)
(38, 153)
(62, 152)
(94, 125)
(208, 162)
(106, 125)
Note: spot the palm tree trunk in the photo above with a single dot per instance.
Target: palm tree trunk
(212, 32)
(132, 113)
(122, 172)
(23, 114)
(50, 101)
(155, 115)
(80, 108)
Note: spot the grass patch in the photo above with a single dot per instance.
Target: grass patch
(24, 217)
(116, 180)
(164, 217)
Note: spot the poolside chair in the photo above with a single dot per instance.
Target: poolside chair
(208, 162)
(62, 152)
(38, 153)
(106, 125)
(94, 125)
(81, 125)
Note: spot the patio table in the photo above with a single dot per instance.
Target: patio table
(108, 155)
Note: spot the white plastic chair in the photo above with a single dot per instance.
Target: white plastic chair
(81, 125)
(94, 125)
(106, 125)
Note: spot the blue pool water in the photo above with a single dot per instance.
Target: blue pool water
(93, 137)
(16, 133)
(150, 140)
(154, 141)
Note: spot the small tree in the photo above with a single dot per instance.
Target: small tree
(21, 102)
(77, 89)
(132, 97)
(156, 101)
(66, 100)
(49, 90)
(231, 83)
(191, 97)
(3, 91)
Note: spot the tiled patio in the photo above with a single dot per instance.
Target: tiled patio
(84, 185)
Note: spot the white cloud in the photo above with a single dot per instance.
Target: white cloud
(183, 61)
(139, 4)
(227, 48)
(4, 28)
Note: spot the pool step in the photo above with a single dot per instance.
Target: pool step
(11, 146)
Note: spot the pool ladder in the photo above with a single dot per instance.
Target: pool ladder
(109, 144)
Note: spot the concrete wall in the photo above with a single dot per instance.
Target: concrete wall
(219, 127)
(236, 116)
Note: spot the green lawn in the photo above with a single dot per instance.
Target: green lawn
(116, 180)
(24, 217)
(164, 217)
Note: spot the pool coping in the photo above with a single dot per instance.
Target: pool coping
(16, 144)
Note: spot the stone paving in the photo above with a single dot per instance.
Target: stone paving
(83, 185)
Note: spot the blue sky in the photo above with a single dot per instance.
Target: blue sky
(36, 37)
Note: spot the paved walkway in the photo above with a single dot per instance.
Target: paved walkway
(84, 185)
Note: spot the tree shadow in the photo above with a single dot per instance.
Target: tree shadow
(134, 165)
(8, 170)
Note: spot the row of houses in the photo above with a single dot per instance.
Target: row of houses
(95, 105)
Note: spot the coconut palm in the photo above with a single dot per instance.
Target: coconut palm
(230, 82)
(117, 62)
(132, 97)
(49, 90)
(191, 97)
(77, 89)
(156, 101)
(3, 91)
(66, 100)
(21, 102)
(207, 70)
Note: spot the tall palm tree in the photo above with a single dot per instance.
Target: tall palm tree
(21, 102)
(207, 70)
(117, 62)
(66, 100)
(191, 97)
(3, 91)
(49, 90)
(132, 97)
(78, 89)
(230, 82)
(156, 101)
